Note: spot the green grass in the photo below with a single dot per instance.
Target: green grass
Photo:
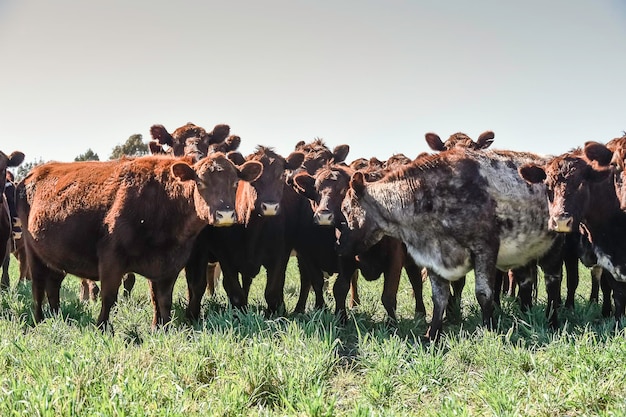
(232, 363)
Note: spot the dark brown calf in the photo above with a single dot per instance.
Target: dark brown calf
(99, 220)
(314, 245)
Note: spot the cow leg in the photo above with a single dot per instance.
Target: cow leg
(310, 276)
(570, 258)
(498, 286)
(606, 284)
(94, 290)
(195, 274)
(525, 279)
(441, 296)
(110, 281)
(619, 298)
(275, 287)
(53, 290)
(235, 292)
(512, 283)
(391, 283)
(5, 281)
(129, 284)
(83, 290)
(355, 299)
(552, 266)
(161, 294)
(454, 305)
(40, 275)
(414, 274)
(212, 274)
(347, 270)
(596, 275)
(553, 290)
(485, 275)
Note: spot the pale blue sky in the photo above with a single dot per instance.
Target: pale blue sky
(545, 76)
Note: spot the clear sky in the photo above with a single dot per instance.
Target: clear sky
(545, 76)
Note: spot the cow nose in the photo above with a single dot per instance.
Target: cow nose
(225, 217)
(269, 209)
(324, 218)
(562, 224)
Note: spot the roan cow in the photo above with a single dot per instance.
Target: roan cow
(99, 220)
(455, 211)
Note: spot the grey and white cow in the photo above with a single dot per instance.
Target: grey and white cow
(456, 211)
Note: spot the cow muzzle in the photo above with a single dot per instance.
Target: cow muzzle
(324, 218)
(562, 224)
(225, 218)
(269, 209)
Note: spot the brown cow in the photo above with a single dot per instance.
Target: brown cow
(187, 140)
(6, 217)
(583, 198)
(315, 246)
(459, 140)
(455, 211)
(263, 237)
(612, 154)
(99, 220)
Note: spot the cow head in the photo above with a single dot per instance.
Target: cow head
(267, 190)
(359, 232)
(612, 155)
(317, 154)
(326, 190)
(568, 179)
(459, 140)
(187, 140)
(6, 161)
(216, 179)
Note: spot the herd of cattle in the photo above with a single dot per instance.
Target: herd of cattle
(197, 202)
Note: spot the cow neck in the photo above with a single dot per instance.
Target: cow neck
(603, 213)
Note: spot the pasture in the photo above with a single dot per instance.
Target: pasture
(232, 363)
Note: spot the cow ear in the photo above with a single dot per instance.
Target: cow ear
(485, 139)
(183, 171)
(161, 135)
(532, 173)
(155, 147)
(340, 153)
(434, 141)
(595, 175)
(15, 159)
(294, 160)
(304, 184)
(236, 158)
(250, 171)
(595, 151)
(233, 142)
(218, 134)
(357, 183)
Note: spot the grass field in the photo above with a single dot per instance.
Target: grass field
(233, 363)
